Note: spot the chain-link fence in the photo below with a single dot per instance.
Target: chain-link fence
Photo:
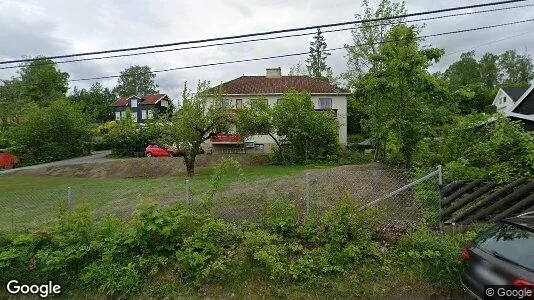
(312, 192)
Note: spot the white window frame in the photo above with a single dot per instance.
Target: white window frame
(150, 114)
(238, 103)
(133, 103)
(117, 116)
(325, 107)
(134, 116)
(164, 103)
(123, 115)
(143, 114)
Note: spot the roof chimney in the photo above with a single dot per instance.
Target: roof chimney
(273, 73)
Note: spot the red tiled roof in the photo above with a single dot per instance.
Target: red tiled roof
(122, 101)
(254, 85)
(152, 99)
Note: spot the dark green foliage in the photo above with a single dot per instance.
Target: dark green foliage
(431, 256)
(96, 103)
(316, 62)
(52, 133)
(479, 146)
(126, 138)
(42, 83)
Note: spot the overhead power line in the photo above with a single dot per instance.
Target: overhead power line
(305, 53)
(266, 32)
(277, 37)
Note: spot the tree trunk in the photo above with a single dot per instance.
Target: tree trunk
(190, 166)
(279, 147)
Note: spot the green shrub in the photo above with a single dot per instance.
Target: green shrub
(280, 216)
(52, 133)
(433, 257)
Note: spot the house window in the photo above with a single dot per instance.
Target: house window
(164, 103)
(117, 115)
(143, 114)
(123, 115)
(238, 103)
(150, 114)
(325, 103)
(504, 99)
(278, 101)
(134, 116)
(134, 103)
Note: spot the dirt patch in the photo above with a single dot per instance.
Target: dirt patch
(138, 167)
(358, 183)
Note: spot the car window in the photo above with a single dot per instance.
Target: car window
(513, 243)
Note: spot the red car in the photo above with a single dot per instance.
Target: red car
(8, 160)
(161, 151)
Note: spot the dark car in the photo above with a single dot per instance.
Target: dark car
(503, 255)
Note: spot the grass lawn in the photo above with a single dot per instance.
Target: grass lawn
(31, 201)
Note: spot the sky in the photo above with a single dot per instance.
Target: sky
(55, 27)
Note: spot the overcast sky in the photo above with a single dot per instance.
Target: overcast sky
(55, 27)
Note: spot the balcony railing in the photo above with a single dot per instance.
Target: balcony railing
(333, 111)
(226, 138)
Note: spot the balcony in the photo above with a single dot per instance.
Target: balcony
(332, 111)
(226, 138)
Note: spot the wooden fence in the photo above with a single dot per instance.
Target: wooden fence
(466, 202)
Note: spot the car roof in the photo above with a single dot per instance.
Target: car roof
(525, 220)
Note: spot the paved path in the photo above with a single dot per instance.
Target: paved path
(96, 157)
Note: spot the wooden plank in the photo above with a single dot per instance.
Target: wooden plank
(519, 193)
(464, 189)
(451, 187)
(488, 200)
(516, 208)
(468, 198)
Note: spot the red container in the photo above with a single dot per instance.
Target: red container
(8, 160)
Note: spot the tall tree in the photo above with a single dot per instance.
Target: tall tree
(136, 81)
(368, 36)
(95, 102)
(464, 72)
(201, 114)
(400, 95)
(11, 103)
(316, 62)
(489, 71)
(42, 82)
(516, 69)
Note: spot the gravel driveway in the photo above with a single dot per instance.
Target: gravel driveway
(94, 158)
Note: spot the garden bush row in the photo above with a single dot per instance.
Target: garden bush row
(116, 257)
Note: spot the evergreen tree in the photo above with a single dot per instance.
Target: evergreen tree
(316, 62)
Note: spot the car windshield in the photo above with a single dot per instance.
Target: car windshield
(511, 243)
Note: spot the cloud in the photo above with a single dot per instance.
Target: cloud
(60, 27)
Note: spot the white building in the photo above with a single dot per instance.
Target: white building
(506, 98)
(272, 86)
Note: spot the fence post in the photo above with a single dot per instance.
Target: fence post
(187, 193)
(69, 197)
(308, 192)
(440, 199)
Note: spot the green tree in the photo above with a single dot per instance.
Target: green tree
(257, 118)
(489, 70)
(368, 36)
(136, 81)
(95, 102)
(400, 96)
(316, 62)
(464, 72)
(12, 103)
(297, 70)
(309, 135)
(42, 82)
(515, 69)
(201, 114)
(51, 133)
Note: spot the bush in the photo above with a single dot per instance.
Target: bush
(52, 133)
(433, 257)
(481, 147)
(126, 138)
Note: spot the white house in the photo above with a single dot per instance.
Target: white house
(517, 104)
(507, 97)
(272, 86)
